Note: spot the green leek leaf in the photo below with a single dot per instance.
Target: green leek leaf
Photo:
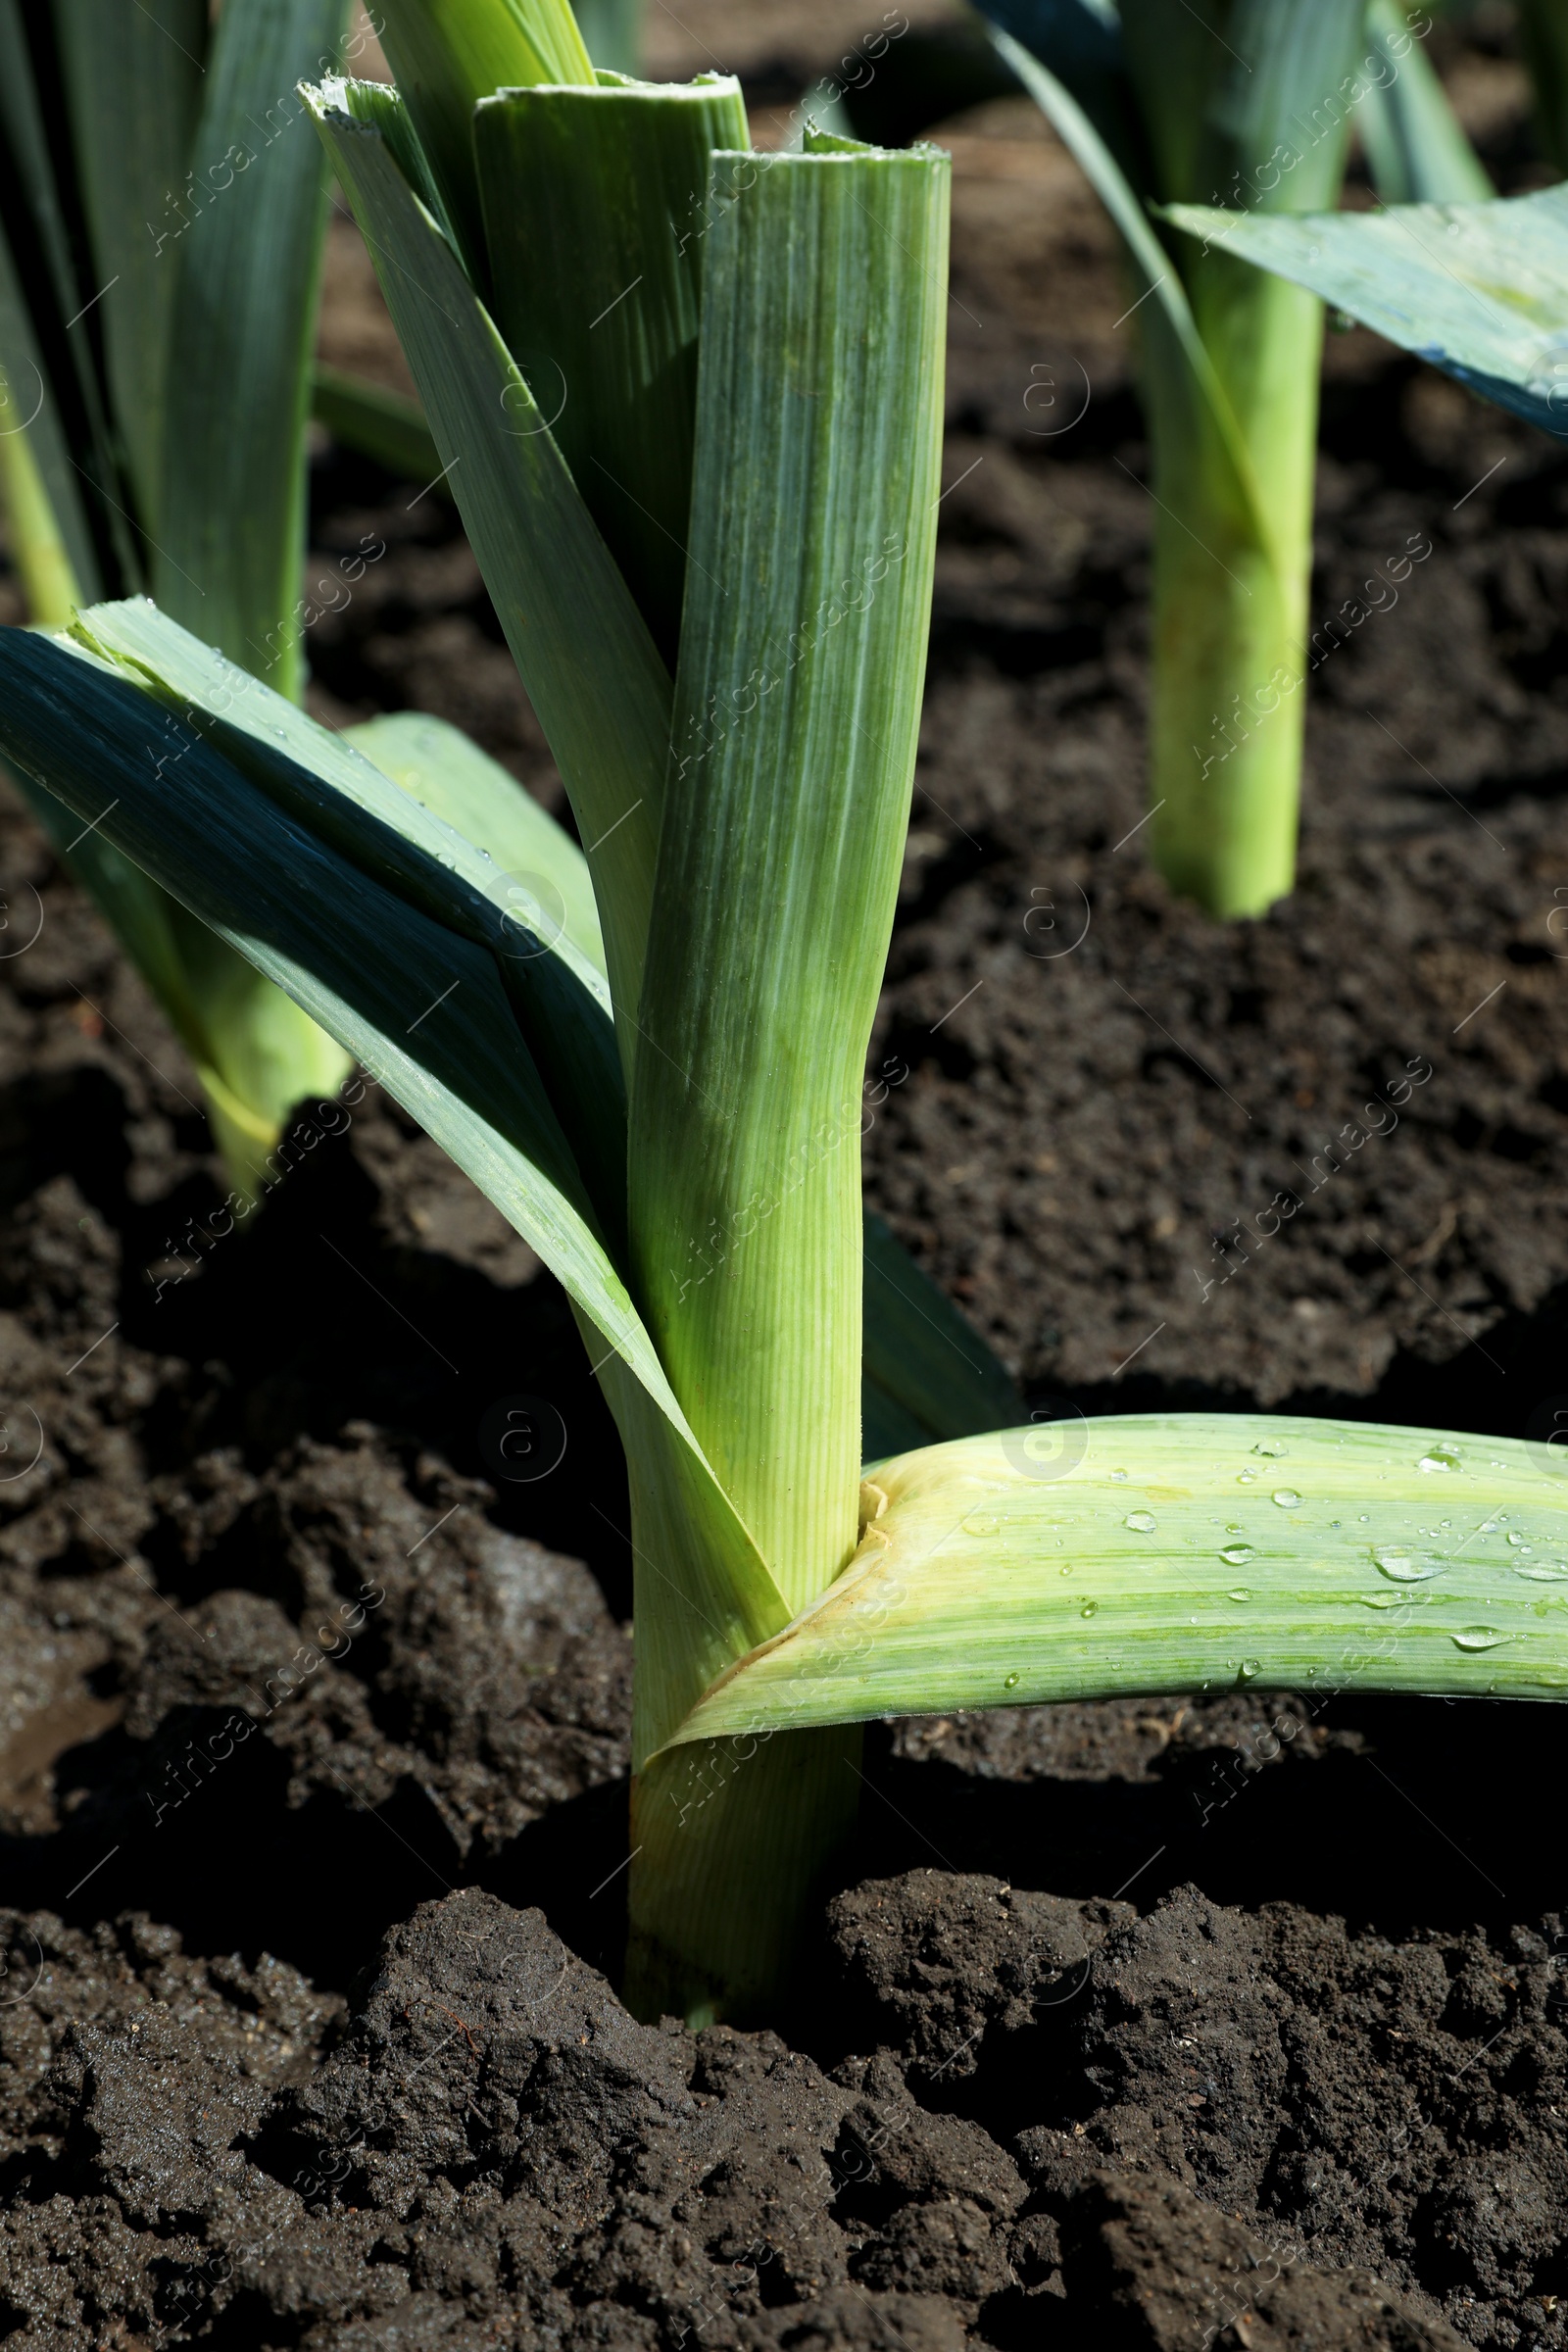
(581, 645)
(1178, 362)
(352, 806)
(134, 78)
(445, 58)
(54, 340)
(596, 226)
(230, 516)
(1480, 290)
(440, 769)
(1181, 1552)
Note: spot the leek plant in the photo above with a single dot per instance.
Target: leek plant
(162, 208)
(690, 398)
(1246, 103)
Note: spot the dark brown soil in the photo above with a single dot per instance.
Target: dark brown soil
(1243, 2023)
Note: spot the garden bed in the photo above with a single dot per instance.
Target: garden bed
(1235, 2022)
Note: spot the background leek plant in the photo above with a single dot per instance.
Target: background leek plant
(1247, 102)
(649, 1052)
(162, 208)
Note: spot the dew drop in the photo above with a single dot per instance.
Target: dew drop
(982, 1523)
(1251, 1668)
(1141, 1523)
(1090, 1608)
(1119, 1477)
(1479, 1636)
(1440, 1457)
(1237, 1555)
(1239, 1593)
(1009, 1682)
(1408, 1567)
(1272, 1448)
(1542, 1572)
(1515, 1538)
(1245, 1478)
(1287, 1498)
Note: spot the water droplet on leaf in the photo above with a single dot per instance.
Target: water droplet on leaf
(1272, 1448)
(1141, 1523)
(1408, 1567)
(1237, 1555)
(1009, 1682)
(1287, 1498)
(1480, 1637)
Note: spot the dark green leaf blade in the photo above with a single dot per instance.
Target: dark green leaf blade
(133, 82)
(392, 836)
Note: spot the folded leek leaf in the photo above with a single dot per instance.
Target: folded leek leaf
(559, 994)
(441, 57)
(597, 223)
(1180, 1553)
(441, 768)
(1480, 290)
(581, 645)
